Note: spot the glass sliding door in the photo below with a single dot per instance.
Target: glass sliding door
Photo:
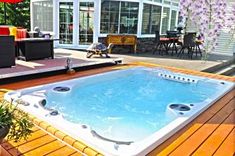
(86, 23)
(165, 20)
(66, 22)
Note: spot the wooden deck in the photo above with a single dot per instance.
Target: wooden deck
(211, 133)
(39, 143)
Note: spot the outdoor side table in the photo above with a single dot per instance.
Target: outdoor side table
(35, 48)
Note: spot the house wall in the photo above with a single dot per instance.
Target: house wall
(226, 40)
(142, 38)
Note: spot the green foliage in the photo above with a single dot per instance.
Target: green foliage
(17, 120)
(17, 14)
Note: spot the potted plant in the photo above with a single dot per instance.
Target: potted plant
(13, 122)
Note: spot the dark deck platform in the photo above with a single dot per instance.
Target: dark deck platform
(23, 68)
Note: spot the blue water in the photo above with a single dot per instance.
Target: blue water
(127, 107)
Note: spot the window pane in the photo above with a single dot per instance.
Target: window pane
(165, 20)
(66, 22)
(160, 1)
(173, 19)
(119, 17)
(129, 17)
(86, 23)
(146, 21)
(109, 16)
(175, 4)
(167, 2)
(151, 19)
(43, 15)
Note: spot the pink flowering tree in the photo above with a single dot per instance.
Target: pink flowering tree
(209, 16)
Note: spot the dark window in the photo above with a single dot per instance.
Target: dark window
(151, 18)
(119, 17)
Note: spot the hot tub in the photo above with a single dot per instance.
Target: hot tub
(124, 112)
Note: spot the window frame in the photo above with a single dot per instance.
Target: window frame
(149, 18)
(119, 16)
(139, 25)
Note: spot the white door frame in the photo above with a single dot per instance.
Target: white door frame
(76, 5)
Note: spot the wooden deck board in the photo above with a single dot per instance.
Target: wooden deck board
(176, 140)
(218, 136)
(194, 141)
(32, 145)
(36, 135)
(62, 151)
(46, 149)
(215, 125)
(228, 146)
(36, 146)
(76, 154)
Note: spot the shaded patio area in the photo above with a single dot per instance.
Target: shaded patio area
(23, 68)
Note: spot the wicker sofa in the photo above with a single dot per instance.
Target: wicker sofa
(7, 51)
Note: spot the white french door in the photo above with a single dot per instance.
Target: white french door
(86, 23)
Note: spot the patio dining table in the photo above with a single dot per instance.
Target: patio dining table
(165, 42)
(34, 48)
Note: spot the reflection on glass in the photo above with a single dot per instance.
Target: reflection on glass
(167, 2)
(159, 1)
(129, 17)
(119, 17)
(151, 19)
(173, 20)
(109, 16)
(86, 23)
(66, 22)
(43, 15)
(165, 20)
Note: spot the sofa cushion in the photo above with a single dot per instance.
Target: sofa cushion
(21, 33)
(4, 31)
(13, 31)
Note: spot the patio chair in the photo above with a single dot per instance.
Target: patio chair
(198, 42)
(157, 42)
(173, 37)
(7, 51)
(189, 44)
(160, 46)
(98, 49)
